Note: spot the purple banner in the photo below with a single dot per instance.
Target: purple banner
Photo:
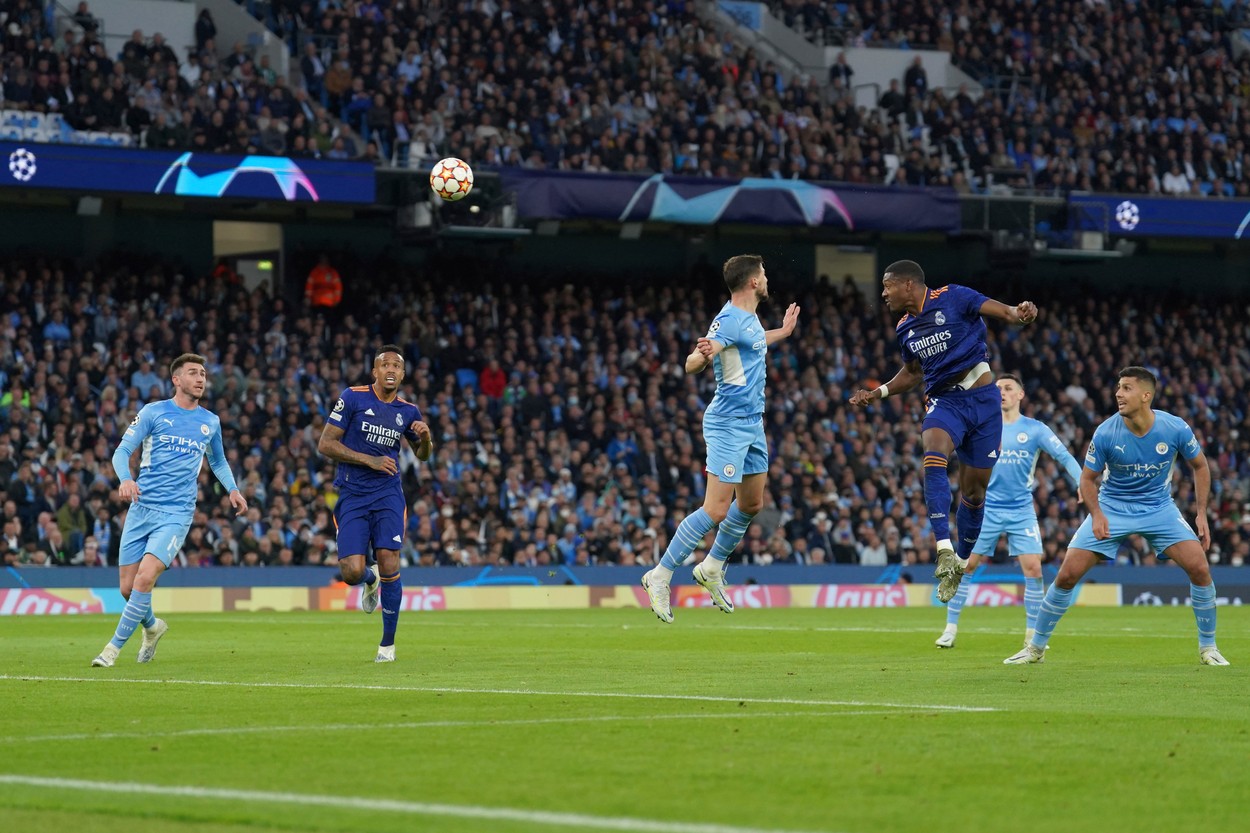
(697, 201)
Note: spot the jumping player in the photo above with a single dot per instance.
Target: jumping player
(942, 339)
(736, 347)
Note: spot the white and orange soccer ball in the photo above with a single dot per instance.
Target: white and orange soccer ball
(451, 178)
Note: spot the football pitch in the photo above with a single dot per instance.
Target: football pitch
(848, 721)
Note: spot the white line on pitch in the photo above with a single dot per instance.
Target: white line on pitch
(702, 698)
(373, 805)
(436, 724)
(428, 621)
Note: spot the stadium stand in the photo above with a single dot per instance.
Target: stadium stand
(619, 86)
(565, 431)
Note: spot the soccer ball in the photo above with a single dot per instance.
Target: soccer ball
(22, 165)
(1127, 215)
(451, 178)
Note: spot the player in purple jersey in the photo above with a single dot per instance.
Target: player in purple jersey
(942, 338)
(363, 435)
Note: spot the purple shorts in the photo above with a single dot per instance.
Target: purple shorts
(369, 522)
(974, 420)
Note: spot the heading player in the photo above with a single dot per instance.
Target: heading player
(736, 347)
(942, 339)
(1009, 505)
(1137, 449)
(362, 435)
(176, 435)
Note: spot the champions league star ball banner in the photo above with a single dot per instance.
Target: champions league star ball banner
(753, 201)
(1161, 216)
(209, 175)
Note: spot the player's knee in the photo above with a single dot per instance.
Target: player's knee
(1200, 573)
(350, 574)
(1065, 582)
(750, 507)
(716, 513)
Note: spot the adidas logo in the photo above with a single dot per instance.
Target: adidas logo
(370, 412)
(911, 333)
(397, 540)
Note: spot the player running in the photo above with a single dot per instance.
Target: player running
(736, 347)
(1138, 451)
(175, 435)
(1009, 505)
(942, 338)
(362, 435)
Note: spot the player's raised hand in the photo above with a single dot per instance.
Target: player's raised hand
(792, 318)
(238, 502)
(129, 491)
(384, 464)
(421, 429)
(1102, 529)
(1026, 312)
(862, 398)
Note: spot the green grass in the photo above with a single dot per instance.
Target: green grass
(808, 720)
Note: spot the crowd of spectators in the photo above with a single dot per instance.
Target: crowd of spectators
(565, 430)
(1142, 97)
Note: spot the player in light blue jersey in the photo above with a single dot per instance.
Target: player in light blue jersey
(1009, 505)
(736, 348)
(942, 338)
(1137, 450)
(175, 436)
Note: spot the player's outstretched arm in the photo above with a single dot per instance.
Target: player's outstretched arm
(787, 326)
(908, 376)
(331, 445)
(1202, 494)
(1022, 313)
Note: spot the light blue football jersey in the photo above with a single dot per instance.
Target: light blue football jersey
(1012, 479)
(947, 335)
(1139, 469)
(175, 442)
(740, 368)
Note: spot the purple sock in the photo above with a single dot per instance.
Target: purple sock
(392, 596)
(969, 518)
(937, 494)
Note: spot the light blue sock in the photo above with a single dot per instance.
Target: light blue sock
(1034, 589)
(956, 605)
(730, 533)
(1204, 612)
(689, 535)
(138, 608)
(1055, 603)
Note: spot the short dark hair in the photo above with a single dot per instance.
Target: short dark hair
(389, 348)
(1141, 374)
(187, 358)
(1013, 377)
(741, 268)
(906, 269)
